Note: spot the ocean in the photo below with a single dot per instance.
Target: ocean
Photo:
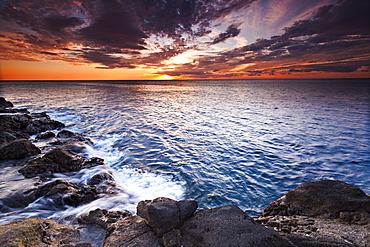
(242, 142)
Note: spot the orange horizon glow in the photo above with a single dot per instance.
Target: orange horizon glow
(14, 70)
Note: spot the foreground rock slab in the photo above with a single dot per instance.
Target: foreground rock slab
(39, 232)
(326, 198)
(131, 231)
(228, 226)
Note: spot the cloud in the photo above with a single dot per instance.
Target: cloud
(334, 39)
(231, 31)
(126, 33)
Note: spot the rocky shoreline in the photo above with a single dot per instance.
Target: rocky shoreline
(321, 213)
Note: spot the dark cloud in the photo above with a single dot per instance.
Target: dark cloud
(109, 61)
(231, 31)
(49, 53)
(114, 26)
(58, 24)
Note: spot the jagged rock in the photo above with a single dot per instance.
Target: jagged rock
(17, 149)
(164, 214)
(65, 134)
(327, 198)
(62, 192)
(228, 226)
(24, 125)
(39, 232)
(104, 183)
(57, 160)
(131, 231)
(45, 135)
(102, 217)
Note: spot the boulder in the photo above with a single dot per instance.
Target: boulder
(131, 231)
(38, 232)
(45, 135)
(104, 183)
(164, 214)
(57, 160)
(4, 103)
(228, 226)
(102, 217)
(63, 192)
(17, 149)
(327, 198)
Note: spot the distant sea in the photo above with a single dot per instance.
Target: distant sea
(242, 142)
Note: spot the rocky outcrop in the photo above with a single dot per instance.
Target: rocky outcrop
(39, 232)
(164, 214)
(131, 231)
(227, 226)
(322, 213)
(102, 217)
(58, 161)
(17, 149)
(327, 198)
(65, 193)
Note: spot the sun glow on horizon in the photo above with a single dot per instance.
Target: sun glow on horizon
(164, 77)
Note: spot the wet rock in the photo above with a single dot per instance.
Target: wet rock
(228, 226)
(104, 183)
(17, 149)
(164, 214)
(94, 161)
(57, 160)
(66, 134)
(4, 103)
(63, 192)
(327, 198)
(45, 135)
(131, 231)
(38, 232)
(99, 178)
(102, 217)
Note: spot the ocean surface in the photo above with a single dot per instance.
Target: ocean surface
(242, 142)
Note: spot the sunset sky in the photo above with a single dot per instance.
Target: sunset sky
(184, 39)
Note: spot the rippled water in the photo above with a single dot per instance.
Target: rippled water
(244, 142)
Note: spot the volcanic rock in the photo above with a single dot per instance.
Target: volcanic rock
(164, 214)
(45, 135)
(228, 226)
(102, 217)
(327, 198)
(39, 232)
(62, 192)
(17, 149)
(57, 160)
(131, 231)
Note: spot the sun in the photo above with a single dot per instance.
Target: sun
(164, 77)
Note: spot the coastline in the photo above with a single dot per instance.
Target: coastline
(158, 227)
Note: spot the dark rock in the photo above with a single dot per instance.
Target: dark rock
(66, 134)
(24, 125)
(102, 217)
(38, 232)
(17, 149)
(228, 226)
(99, 178)
(45, 135)
(57, 160)
(104, 183)
(164, 214)
(172, 238)
(326, 198)
(94, 161)
(4, 103)
(6, 136)
(131, 231)
(62, 192)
